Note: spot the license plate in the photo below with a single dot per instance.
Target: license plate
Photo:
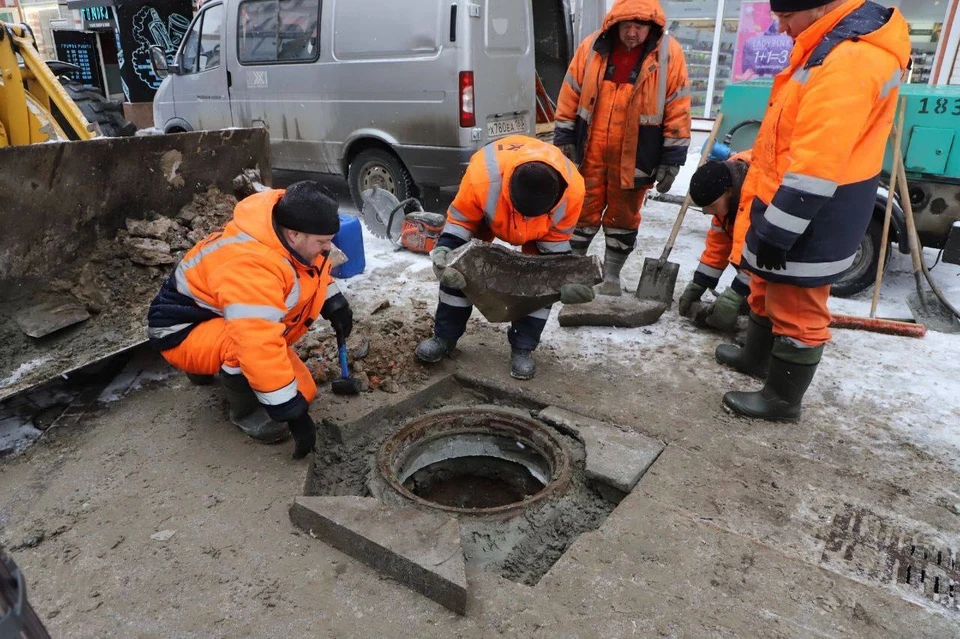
(509, 126)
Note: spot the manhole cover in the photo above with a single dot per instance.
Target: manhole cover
(475, 461)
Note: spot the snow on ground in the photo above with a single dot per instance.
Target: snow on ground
(909, 386)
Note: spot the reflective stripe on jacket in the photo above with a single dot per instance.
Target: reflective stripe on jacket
(817, 159)
(267, 294)
(484, 197)
(660, 107)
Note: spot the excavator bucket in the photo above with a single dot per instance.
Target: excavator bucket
(91, 229)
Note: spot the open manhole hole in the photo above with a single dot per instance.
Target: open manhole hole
(475, 461)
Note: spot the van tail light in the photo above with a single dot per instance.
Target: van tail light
(468, 115)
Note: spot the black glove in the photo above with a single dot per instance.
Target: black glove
(771, 257)
(304, 433)
(341, 320)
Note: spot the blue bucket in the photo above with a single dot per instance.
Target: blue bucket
(350, 241)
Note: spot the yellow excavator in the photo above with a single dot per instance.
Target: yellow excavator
(65, 189)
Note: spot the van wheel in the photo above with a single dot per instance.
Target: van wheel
(377, 167)
(863, 272)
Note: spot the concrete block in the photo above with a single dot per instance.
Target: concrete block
(615, 457)
(619, 312)
(419, 549)
(505, 284)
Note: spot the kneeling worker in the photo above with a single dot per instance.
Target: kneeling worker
(715, 187)
(526, 193)
(242, 296)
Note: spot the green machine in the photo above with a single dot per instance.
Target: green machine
(931, 153)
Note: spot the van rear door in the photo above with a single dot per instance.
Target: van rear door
(503, 67)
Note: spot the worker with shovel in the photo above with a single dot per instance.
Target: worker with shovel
(715, 188)
(623, 115)
(240, 298)
(526, 193)
(811, 187)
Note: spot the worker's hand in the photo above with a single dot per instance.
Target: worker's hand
(304, 433)
(440, 256)
(724, 312)
(691, 294)
(665, 175)
(576, 294)
(569, 151)
(771, 257)
(452, 278)
(341, 320)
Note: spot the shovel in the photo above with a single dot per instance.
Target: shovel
(659, 277)
(346, 385)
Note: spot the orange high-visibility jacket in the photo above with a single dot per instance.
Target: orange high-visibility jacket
(817, 158)
(483, 201)
(723, 244)
(267, 294)
(660, 107)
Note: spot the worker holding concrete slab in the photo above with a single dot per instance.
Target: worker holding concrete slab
(715, 188)
(623, 115)
(811, 187)
(240, 298)
(526, 193)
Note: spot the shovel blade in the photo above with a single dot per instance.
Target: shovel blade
(929, 311)
(658, 281)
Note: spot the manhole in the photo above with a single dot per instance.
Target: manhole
(476, 461)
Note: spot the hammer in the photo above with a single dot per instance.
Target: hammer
(346, 385)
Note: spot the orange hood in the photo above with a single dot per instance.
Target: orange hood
(644, 10)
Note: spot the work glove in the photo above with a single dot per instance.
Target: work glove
(691, 294)
(665, 175)
(341, 320)
(569, 151)
(304, 433)
(449, 277)
(723, 313)
(576, 294)
(771, 257)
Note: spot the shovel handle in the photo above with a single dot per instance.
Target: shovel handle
(687, 201)
(897, 134)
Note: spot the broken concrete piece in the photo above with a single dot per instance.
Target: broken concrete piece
(50, 315)
(421, 550)
(506, 285)
(615, 457)
(620, 312)
(149, 252)
(157, 229)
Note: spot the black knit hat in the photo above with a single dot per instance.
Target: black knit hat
(710, 182)
(534, 188)
(308, 207)
(786, 6)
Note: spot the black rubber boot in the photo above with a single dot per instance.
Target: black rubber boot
(433, 349)
(791, 371)
(247, 414)
(753, 358)
(522, 365)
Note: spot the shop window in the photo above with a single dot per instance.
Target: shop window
(272, 31)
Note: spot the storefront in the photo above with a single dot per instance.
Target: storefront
(733, 40)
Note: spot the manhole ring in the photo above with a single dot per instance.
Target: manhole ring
(454, 437)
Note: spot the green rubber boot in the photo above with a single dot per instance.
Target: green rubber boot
(791, 370)
(753, 358)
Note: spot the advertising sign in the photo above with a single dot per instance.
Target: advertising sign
(81, 48)
(139, 26)
(762, 51)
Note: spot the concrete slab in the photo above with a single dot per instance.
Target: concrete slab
(618, 312)
(615, 457)
(421, 550)
(505, 284)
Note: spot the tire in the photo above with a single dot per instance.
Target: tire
(863, 272)
(107, 114)
(378, 167)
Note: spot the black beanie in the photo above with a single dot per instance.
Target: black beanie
(308, 207)
(786, 6)
(534, 188)
(710, 182)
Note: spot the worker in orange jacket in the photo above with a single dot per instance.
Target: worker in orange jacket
(526, 193)
(716, 189)
(241, 297)
(623, 115)
(811, 187)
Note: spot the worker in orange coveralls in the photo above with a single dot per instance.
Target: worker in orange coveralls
(623, 115)
(811, 187)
